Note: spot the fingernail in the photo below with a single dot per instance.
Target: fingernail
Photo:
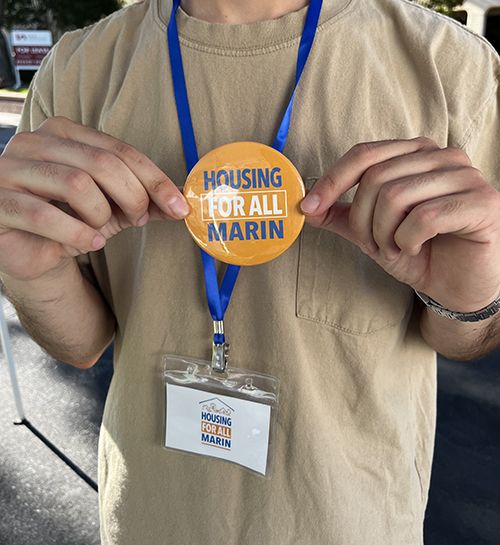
(179, 207)
(310, 203)
(143, 220)
(98, 242)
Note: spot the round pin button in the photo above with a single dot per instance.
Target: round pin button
(245, 203)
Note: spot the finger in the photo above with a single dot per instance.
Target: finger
(349, 169)
(28, 213)
(397, 199)
(157, 184)
(156, 214)
(335, 219)
(466, 215)
(110, 174)
(415, 169)
(61, 183)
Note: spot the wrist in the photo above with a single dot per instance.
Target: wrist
(45, 287)
(478, 315)
(459, 341)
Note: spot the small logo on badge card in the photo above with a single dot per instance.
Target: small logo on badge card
(216, 423)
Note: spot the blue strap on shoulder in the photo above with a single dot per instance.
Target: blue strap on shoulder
(305, 46)
(180, 91)
(218, 301)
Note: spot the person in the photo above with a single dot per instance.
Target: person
(394, 131)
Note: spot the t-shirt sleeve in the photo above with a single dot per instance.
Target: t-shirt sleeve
(483, 143)
(36, 106)
(32, 115)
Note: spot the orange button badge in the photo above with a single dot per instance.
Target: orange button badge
(245, 203)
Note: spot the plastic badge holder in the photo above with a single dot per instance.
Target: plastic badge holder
(245, 203)
(231, 416)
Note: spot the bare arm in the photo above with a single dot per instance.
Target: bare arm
(460, 341)
(64, 190)
(64, 314)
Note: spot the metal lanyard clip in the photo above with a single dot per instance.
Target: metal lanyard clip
(219, 350)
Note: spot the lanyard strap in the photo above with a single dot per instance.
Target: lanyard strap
(219, 300)
(305, 46)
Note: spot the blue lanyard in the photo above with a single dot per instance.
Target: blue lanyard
(219, 300)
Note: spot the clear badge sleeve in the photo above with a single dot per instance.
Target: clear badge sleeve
(231, 416)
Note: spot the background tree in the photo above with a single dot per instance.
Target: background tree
(443, 6)
(58, 16)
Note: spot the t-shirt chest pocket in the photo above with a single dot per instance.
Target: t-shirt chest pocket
(341, 287)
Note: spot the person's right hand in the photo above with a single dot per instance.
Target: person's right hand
(66, 188)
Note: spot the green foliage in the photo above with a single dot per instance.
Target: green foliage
(443, 6)
(56, 15)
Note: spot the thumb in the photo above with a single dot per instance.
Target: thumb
(335, 218)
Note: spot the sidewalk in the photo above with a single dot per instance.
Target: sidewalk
(10, 114)
(42, 501)
(8, 124)
(11, 103)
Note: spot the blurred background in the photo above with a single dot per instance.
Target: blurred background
(45, 501)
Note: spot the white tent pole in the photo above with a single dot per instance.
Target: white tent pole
(7, 350)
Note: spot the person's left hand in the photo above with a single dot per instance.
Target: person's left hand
(422, 213)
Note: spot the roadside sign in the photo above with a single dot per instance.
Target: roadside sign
(29, 47)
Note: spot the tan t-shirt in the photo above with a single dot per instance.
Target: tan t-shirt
(358, 383)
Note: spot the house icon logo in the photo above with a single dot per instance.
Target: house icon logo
(216, 423)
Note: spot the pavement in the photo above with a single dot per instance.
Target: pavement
(44, 502)
(8, 124)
